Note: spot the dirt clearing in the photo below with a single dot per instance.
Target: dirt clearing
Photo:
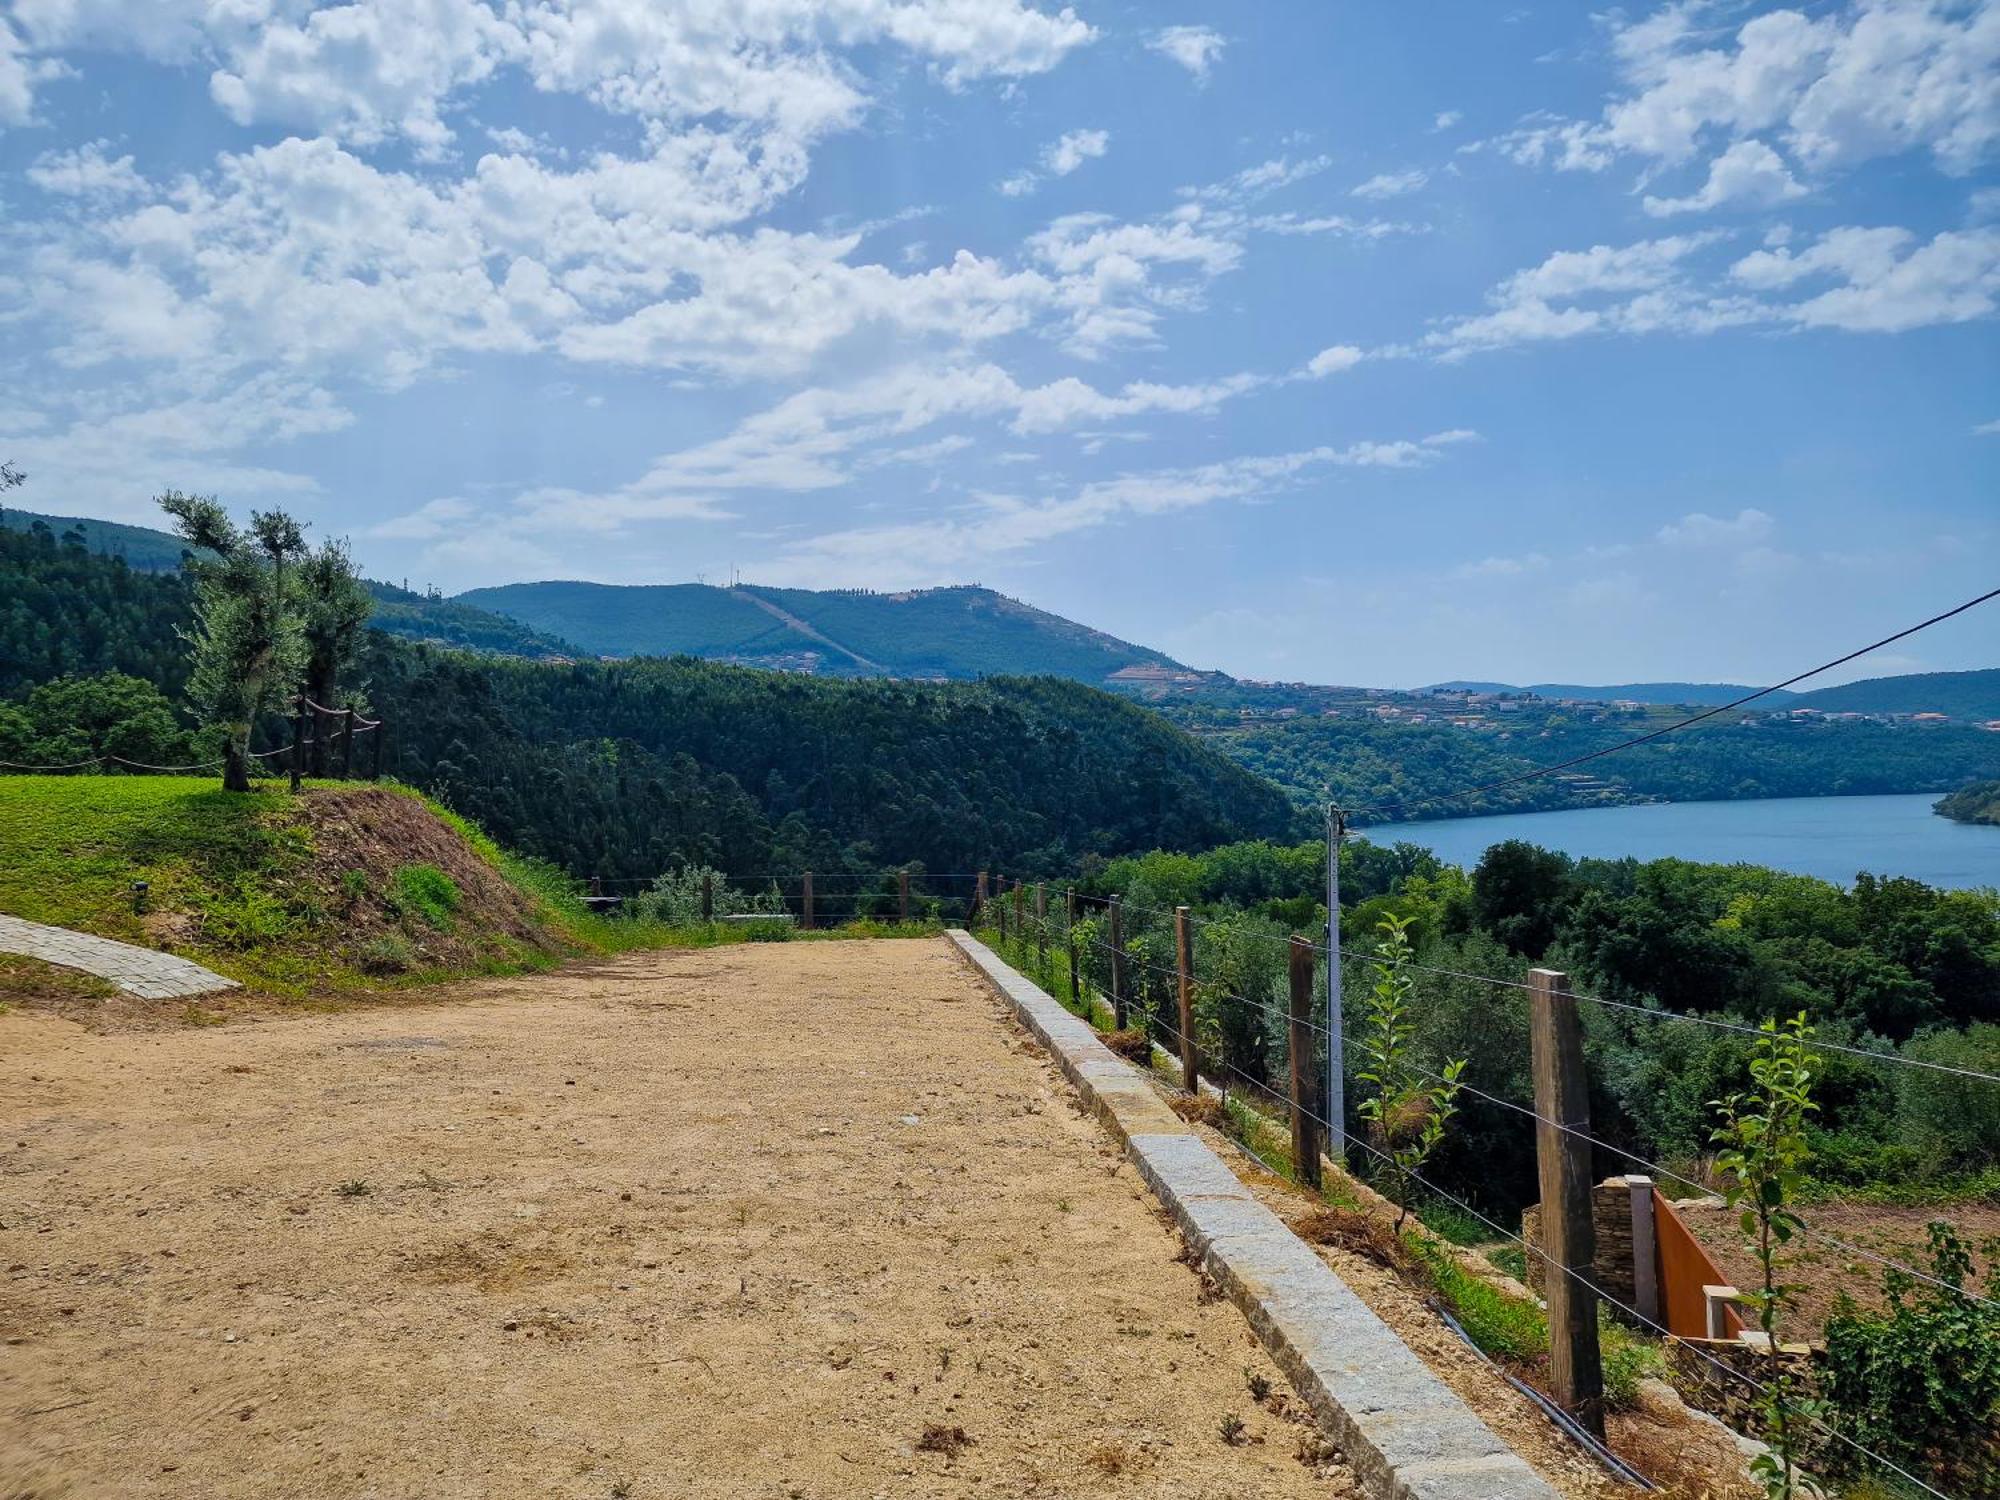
(787, 1220)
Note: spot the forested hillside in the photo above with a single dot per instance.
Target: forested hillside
(1963, 695)
(398, 611)
(629, 768)
(626, 769)
(1394, 768)
(1978, 803)
(948, 632)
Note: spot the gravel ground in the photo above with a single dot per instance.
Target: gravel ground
(744, 1222)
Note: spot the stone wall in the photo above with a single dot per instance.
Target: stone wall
(1611, 1220)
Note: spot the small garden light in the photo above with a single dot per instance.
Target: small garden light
(139, 889)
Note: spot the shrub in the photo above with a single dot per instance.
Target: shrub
(1920, 1383)
(354, 885)
(424, 891)
(1952, 1123)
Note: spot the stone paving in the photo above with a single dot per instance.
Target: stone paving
(137, 971)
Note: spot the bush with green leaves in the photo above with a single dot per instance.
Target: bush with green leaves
(1919, 1383)
(675, 898)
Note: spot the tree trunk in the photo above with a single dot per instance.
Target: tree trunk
(236, 760)
(320, 688)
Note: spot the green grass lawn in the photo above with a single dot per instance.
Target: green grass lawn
(71, 846)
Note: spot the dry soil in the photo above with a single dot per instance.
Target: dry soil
(751, 1221)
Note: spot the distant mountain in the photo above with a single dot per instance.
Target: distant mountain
(1698, 694)
(1962, 695)
(447, 622)
(421, 617)
(959, 632)
(142, 547)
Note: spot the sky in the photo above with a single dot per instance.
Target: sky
(1321, 340)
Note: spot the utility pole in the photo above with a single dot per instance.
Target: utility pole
(1336, 1063)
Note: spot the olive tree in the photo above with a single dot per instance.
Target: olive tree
(246, 642)
(334, 608)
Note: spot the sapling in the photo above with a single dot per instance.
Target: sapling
(1410, 1108)
(1763, 1156)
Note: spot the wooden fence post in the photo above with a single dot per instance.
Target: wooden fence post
(1184, 965)
(1020, 896)
(708, 895)
(979, 898)
(298, 739)
(1119, 1004)
(375, 753)
(806, 903)
(1569, 1240)
(1042, 925)
(1305, 1077)
(1075, 977)
(347, 745)
(902, 895)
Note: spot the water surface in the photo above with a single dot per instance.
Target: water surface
(1831, 837)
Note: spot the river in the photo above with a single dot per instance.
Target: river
(1831, 837)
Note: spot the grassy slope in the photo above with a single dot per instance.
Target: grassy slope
(294, 896)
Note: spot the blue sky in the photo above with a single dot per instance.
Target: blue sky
(1334, 341)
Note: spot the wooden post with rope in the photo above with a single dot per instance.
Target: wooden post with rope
(806, 903)
(708, 896)
(347, 745)
(298, 739)
(903, 896)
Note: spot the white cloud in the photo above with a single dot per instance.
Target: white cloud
(1332, 360)
(1882, 280)
(1876, 78)
(1748, 527)
(1059, 158)
(1447, 118)
(1748, 172)
(1987, 429)
(948, 549)
(1194, 47)
(1073, 149)
(368, 69)
(86, 172)
(1392, 184)
(1888, 283)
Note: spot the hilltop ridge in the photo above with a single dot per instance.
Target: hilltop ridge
(960, 631)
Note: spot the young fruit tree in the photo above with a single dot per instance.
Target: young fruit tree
(246, 643)
(1764, 1150)
(1410, 1107)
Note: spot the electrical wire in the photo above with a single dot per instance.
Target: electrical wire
(1692, 719)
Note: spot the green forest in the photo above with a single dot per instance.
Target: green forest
(1394, 770)
(627, 769)
(1978, 803)
(1891, 967)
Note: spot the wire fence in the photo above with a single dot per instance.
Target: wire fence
(1239, 1029)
